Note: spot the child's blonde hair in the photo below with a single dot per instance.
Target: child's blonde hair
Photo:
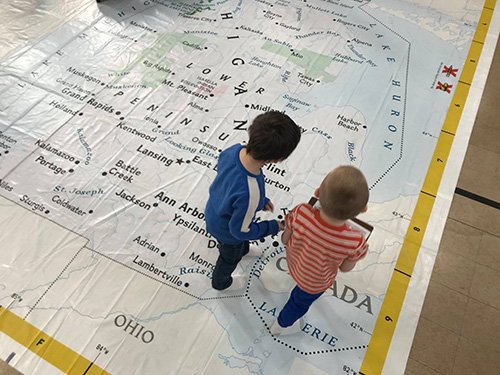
(343, 194)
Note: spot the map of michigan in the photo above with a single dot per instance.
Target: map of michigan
(110, 131)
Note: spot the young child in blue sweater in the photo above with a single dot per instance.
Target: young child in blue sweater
(238, 192)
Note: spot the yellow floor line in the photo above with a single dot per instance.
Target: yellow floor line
(383, 332)
(46, 347)
(70, 362)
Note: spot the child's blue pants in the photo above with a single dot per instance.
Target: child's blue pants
(297, 305)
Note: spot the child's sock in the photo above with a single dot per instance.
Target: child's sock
(239, 282)
(254, 251)
(277, 330)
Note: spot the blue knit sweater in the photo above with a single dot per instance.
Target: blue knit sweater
(234, 198)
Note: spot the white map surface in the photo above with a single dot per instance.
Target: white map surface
(110, 130)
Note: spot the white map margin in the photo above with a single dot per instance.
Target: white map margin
(399, 350)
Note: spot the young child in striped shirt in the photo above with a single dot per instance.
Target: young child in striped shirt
(319, 242)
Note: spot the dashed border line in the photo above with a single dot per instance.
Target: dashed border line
(405, 95)
(276, 338)
(378, 347)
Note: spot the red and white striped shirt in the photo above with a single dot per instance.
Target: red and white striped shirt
(316, 249)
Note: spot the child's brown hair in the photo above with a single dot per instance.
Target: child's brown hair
(343, 194)
(272, 136)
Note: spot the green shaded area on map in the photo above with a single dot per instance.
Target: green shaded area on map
(314, 64)
(154, 61)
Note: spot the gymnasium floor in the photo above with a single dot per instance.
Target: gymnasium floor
(460, 320)
(461, 314)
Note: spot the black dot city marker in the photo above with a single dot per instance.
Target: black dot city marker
(280, 217)
(162, 254)
(247, 105)
(186, 285)
(77, 161)
(91, 212)
(122, 118)
(80, 114)
(211, 95)
(6, 152)
(118, 113)
(104, 173)
(71, 170)
(276, 243)
(206, 110)
(47, 212)
(155, 204)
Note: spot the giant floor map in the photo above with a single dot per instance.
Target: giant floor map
(111, 123)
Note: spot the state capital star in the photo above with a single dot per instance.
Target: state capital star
(180, 161)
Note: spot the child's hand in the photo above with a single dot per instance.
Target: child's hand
(269, 207)
(285, 237)
(281, 225)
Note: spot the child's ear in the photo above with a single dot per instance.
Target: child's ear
(316, 193)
